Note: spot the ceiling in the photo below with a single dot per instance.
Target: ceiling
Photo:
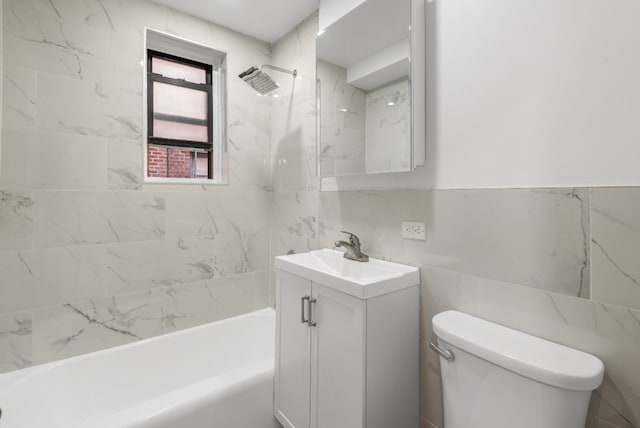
(267, 20)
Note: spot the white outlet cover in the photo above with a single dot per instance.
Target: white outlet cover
(414, 230)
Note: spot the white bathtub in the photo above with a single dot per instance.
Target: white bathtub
(215, 375)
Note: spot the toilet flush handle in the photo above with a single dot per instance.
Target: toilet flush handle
(444, 353)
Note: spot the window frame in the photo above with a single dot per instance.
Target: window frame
(169, 47)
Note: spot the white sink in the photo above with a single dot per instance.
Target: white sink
(360, 279)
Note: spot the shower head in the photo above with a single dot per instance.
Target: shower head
(261, 81)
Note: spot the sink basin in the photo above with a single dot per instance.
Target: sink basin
(362, 280)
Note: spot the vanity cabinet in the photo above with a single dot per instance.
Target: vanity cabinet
(344, 361)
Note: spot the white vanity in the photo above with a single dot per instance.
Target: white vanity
(347, 342)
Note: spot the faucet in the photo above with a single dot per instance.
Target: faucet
(353, 248)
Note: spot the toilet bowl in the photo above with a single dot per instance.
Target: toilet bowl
(497, 377)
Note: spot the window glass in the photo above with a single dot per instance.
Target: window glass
(179, 131)
(166, 162)
(178, 70)
(179, 101)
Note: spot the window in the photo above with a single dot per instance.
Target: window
(185, 110)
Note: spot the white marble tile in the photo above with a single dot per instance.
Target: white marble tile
(296, 213)
(235, 254)
(609, 407)
(126, 52)
(92, 13)
(375, 217)
(19, 98)
(86, 107)
(32, 279)
(294, 125)
(537, 238)
(297, 48)
(342, 123)
(249, 170)
(143, 265)
(124, 164)
(444, 290)
(615, 246)
(596, 422)
(263, 211)
(236, 295)
(38, 39)
(388, 119)
(127, 19)
(82, 327)
(72, 218)
(16, 220)
(427, 424)
(15, 341)
(294, 165)
(284, 243)
(206, 214)
(37, 160)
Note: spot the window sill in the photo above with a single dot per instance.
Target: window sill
(162, 180)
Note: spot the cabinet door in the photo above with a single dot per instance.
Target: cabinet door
(337, 360)
(293, 367)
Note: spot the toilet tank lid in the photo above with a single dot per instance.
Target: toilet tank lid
(529, 356)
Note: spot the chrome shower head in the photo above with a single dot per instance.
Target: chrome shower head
(261, 81)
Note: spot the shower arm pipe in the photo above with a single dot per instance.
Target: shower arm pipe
(283, 70)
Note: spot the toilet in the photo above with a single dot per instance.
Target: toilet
(497, 377)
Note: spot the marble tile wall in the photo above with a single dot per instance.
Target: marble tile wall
(538, 238)
(388, 119)
(294, 137)
(615, 246)
(342, 122)
(520, 258)
(90, 256)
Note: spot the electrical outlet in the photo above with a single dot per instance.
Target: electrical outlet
(414, 230)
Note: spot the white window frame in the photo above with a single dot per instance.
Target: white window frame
(183, 48)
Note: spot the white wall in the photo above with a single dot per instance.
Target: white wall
(528, 94)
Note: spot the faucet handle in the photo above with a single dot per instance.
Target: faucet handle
(352, 238)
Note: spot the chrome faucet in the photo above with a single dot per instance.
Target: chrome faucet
(353, 248)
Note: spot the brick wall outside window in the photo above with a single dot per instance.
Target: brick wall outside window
(180, 162)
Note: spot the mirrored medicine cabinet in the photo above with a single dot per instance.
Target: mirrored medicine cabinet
(371, 89)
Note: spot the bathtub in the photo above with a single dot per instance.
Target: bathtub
(215, 375)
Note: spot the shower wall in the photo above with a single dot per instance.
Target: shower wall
(90, 256)
(294, 138)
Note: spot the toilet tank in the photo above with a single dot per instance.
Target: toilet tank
(503, 378)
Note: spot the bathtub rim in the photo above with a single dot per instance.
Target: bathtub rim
(10, 379)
